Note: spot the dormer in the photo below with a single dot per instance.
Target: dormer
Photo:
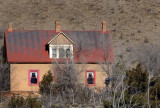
(61, 46)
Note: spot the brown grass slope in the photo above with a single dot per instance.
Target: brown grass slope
(131, 22)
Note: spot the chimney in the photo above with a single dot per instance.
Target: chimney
(57, 25)
(10, 27)
(104, 26)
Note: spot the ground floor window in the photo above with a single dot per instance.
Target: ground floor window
(33, 77)
(90, 77)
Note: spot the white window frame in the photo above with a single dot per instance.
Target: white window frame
(58, 47)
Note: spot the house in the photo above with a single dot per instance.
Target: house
(32, 53)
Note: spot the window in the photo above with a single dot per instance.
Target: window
(90, 77)
(33, 77)
(68, 53)
(54, 52)
(61, 51)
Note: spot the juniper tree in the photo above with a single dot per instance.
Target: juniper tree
(45, 84)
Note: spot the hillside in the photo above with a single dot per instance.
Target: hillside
(131, 22)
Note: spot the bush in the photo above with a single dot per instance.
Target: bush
(146, 40)
(18, 101)
(33, 102)
(107, 104)
(57, 106)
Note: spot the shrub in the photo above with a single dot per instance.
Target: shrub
(107, 104)
(45, 84)
(33, 102)
(57, 106)
(121, 36)
(146, 40)
(18, 101)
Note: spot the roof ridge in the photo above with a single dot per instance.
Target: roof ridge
(28, 30)
(61, 30)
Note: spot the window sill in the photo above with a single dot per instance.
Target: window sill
(33, 84)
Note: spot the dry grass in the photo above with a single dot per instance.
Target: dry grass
(134, 20)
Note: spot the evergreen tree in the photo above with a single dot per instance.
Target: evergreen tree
(137, 79)
(45, 84)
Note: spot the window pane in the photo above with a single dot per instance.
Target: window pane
(68, 52)
(54, 53)
(61, 53)
(33, 77)
(90, 74)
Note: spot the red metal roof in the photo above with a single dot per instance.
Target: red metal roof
(30, 46)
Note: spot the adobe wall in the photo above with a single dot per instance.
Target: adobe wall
(20, 81)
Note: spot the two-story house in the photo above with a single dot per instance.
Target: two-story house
(32, 53)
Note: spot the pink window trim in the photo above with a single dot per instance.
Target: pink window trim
(94, 72)
(29, 78)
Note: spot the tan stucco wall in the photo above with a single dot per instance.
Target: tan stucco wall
(19, 75)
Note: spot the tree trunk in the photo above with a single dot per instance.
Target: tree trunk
(148, 96)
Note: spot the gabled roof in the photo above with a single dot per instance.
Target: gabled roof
(31, 46)
(63, 35)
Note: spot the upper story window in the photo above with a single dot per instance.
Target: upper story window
(61, 51)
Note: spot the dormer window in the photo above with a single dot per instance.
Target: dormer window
(61, 46)
(61, 51)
